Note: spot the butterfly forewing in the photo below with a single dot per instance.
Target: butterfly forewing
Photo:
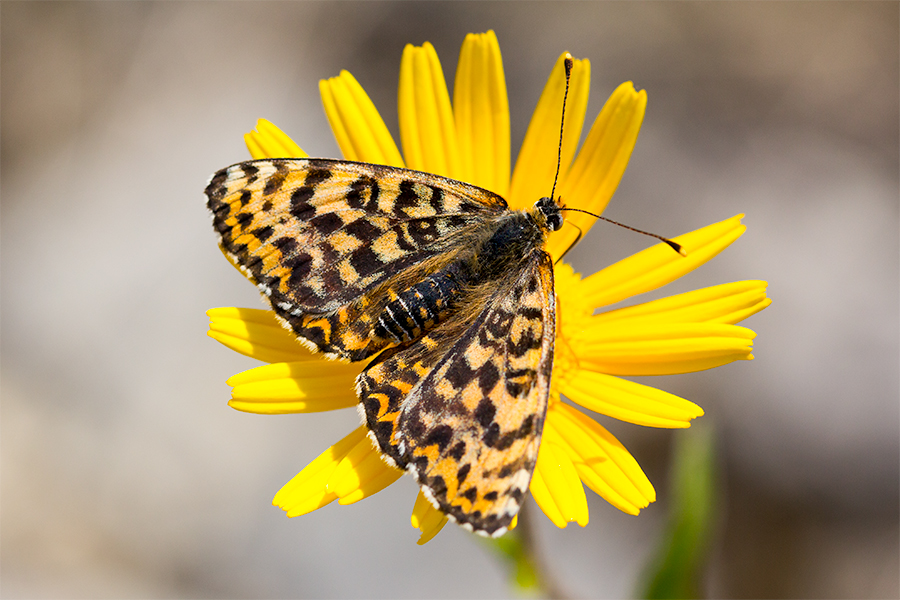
(330, 243)
(463, 408)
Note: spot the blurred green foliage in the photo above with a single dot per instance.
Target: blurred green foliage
(519, 560)
(677, 567)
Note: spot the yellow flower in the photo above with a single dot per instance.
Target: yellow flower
(468, 139)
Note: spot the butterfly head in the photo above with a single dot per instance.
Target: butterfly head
(548, 213)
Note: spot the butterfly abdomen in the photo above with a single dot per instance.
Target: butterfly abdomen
(421, 307)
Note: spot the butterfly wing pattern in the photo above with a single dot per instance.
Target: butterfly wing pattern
(439, 277)
(329, 242)
(463, 408)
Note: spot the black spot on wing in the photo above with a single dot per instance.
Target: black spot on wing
(327, 223)
(316, 176)
(440, 435)
(363, 230)
(251, 173)
(422, 231)
(263, 233)
(459, 374)
(488, 376)
(216, 188)
(300, 265)
(437, 200)
(301, 209)
(463, 472)
(363, 192)
(276, 179)
(531, 312)
(485, 412)
(285, 245)
(244, 219)
(458, 450)
(407, 198)
(365, 261)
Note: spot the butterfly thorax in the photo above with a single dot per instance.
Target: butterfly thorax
(499, 250)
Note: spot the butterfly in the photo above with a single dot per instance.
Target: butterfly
(444, 289)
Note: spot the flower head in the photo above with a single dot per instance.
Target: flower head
(469, 139)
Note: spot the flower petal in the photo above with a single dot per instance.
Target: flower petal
(361, 473)
(596, 172)
(307, 491)
(536, 164)
(481, 113)
(726, 303)
(427, 129)
(661, 349)
(629, 401)
(427, 519)
(360, 131)
(255, 333)
(561, 479)
(659, 264)
(604, 465)
(270, 142)
(308, 386)
(544, 499)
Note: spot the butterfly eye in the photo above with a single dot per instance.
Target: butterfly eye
(554, 221)
(550, 211)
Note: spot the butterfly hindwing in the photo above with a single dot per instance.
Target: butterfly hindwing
(463, 407)
(330, 243)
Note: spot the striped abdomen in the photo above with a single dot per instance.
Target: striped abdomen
(419, 308)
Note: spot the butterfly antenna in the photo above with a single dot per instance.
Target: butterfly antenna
(672, 244)
(569, 64)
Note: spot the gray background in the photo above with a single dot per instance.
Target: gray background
(124, 474)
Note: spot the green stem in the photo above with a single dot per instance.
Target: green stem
(528, 570)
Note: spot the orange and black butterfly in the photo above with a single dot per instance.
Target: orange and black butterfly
(438, 284)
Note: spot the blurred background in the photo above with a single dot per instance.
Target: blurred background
(124, 473)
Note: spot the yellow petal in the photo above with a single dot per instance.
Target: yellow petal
(361, 473)
(481, 113)
(599, 166)
(427, 519)
(536, 164)
(255, 333)
(604, 465)
(561, 477)
(270, 142)
(358, 128)
(726, 303)
(308, 386)
(659, 264)
(544, 499)
(307, 491)
(629, 401)
(661, 349)
(427, 129)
